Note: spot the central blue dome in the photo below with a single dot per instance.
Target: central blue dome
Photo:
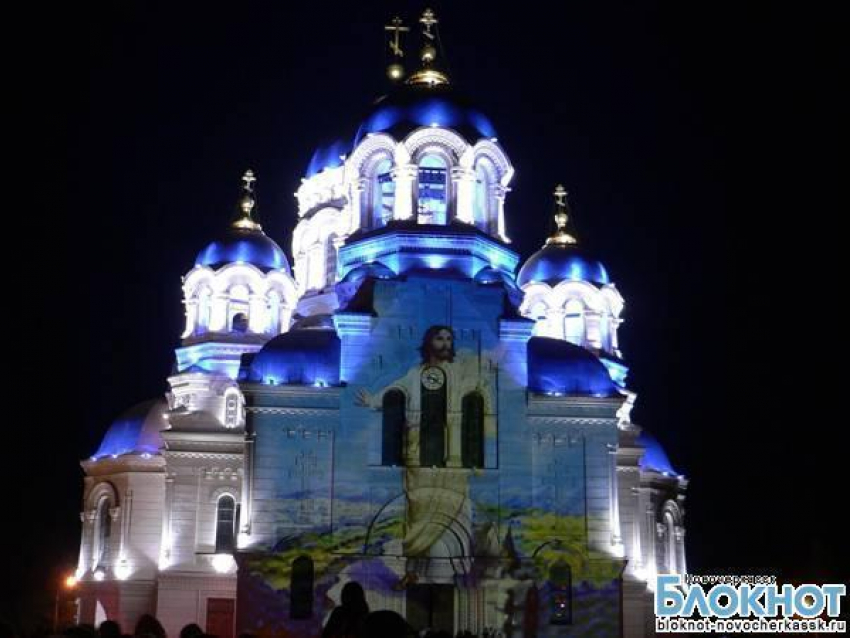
(249, 246)
(554, 264)
(409, 107)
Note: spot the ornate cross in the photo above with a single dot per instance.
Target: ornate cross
(249, 179)
(429, 20)
(397, 29)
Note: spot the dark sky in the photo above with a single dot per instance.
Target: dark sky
(684, 134)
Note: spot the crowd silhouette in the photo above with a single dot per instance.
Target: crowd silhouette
(351, 619)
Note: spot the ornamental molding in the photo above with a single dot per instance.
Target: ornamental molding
(540, 421)
(289, 411)
(213, 456)
(425, 137)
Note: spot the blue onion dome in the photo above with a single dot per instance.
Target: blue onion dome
(136, 431)
(559, 259)
(654, 457)
(408, 107)
(309, 354)
(561, 368)
(245, 240)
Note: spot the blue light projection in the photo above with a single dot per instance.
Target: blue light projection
(250, 247)
(554, 264)
(560, 368)
(654, 457)
(136, 431)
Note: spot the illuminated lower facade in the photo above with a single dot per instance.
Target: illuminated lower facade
(406, 409)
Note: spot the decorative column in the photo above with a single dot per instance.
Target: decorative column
(247, 484)
(499, 193)
(191, 306)
(614, 500)
(258, 317)
(359, 206)
(463, 185)
(405, 191)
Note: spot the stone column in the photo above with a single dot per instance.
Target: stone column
(258, 317)
(499, 193)
(463, 185)
(405, 191)
(218, 313)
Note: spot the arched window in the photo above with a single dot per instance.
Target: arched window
(225, 525)
(482, 197)
(561, 602)
(392, 431)
(574, 322)
(433, 420)
(670, 542)
(301, 588)
(104, 532)
(472, 430)
(330, 261)
(433, 190)
(383, 193)
(239, 323)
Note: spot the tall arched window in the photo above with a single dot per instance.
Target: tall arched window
(561, 601)
(330, 261)
(433, 190)
(225, 525)
(472, 430)
(392, 430)
(574, 322)
(670, 542)
(239, 323)
(383, 193)
(104, 532)
(301, 588)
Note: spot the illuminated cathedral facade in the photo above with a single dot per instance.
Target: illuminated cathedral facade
(404, 403)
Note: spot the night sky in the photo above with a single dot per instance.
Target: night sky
(684, 135)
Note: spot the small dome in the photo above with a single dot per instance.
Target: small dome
(136, 431)
(654, 457)
(553, 264)
(408, 107)
(374, 269)
(248, 246)
(489, 275)
(561, 368)
(309, 356)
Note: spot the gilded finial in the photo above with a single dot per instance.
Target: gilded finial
(428, 75)
(395, 70)
(562, 210)
(247, 203)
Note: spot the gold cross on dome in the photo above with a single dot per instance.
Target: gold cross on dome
(397, 29)
(248, 179)
(429, 20)
(560, 195)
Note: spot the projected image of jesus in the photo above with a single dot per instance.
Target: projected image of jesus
(438, 345)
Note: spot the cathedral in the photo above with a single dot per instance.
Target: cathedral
(403, 402)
